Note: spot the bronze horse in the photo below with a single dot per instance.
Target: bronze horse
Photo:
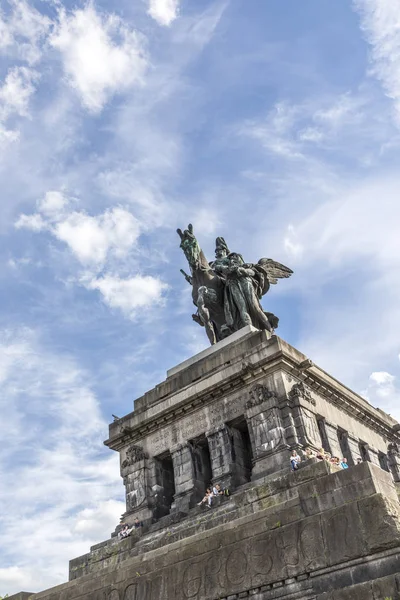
(207, 288)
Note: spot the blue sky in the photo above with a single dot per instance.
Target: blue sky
(274, 124)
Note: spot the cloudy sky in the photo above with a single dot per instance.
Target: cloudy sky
(274, 124)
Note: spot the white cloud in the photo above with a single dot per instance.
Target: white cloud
(130, 295)
(23, 31)
(63, 486)
(53, 203)
(276, 132)
(346, 122)
(101, 56)
(92, 239)
(16, 92)
(381, 23)
(382, 378)
(99, 242)
(347, 107)
(164, 11)
(383, 390)
(90, 521)
(310, 134)
(337, 223)
(33, 222)
(7, 136)
(354, 226)
(6, 37)
(345, 275)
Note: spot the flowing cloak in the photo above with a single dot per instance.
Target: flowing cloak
(241, 299)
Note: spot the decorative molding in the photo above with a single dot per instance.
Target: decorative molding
(258, 395)
(263, 367)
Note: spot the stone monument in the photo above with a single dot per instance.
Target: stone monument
(231, 415)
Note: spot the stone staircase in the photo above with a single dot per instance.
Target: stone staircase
(284, 496)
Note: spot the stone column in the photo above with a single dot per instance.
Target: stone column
(220, 445)
(135, 475)
(393, 458)
(185, 490)
(267, 434)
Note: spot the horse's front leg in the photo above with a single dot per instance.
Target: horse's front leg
(205, 315)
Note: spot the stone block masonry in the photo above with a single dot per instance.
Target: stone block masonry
(232, 415)
(300, 535)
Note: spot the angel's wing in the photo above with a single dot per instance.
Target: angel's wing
(274, 269)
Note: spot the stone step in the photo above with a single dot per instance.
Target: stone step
(283, 499)
(270, 492)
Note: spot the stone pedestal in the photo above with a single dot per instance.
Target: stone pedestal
(232, 415)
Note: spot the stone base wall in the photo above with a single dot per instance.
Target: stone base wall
(304, 535)
(231, 416)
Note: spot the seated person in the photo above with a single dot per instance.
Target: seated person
(125, 531)
(206, 499)
(295, 459)
(308, 453)
(217, 490)
(344, 464)
(321, 454)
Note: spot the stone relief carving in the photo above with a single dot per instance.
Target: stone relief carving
(236, 567)
(133, 455)
(393, 459)
(311, 428)
(135, 490)
(258, 395)
(294, 550)
(299, 390)
(267, 430)
(246, 366)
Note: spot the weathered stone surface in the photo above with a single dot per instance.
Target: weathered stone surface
(278, 546)
(231, 416)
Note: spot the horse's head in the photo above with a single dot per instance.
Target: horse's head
(190, 246)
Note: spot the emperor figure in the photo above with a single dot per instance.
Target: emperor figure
(227, 291)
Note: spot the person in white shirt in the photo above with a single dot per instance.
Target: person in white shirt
(295, 459)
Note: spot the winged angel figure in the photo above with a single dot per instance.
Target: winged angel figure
(227, 291)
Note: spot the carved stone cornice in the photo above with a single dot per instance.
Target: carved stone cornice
(304, 371)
